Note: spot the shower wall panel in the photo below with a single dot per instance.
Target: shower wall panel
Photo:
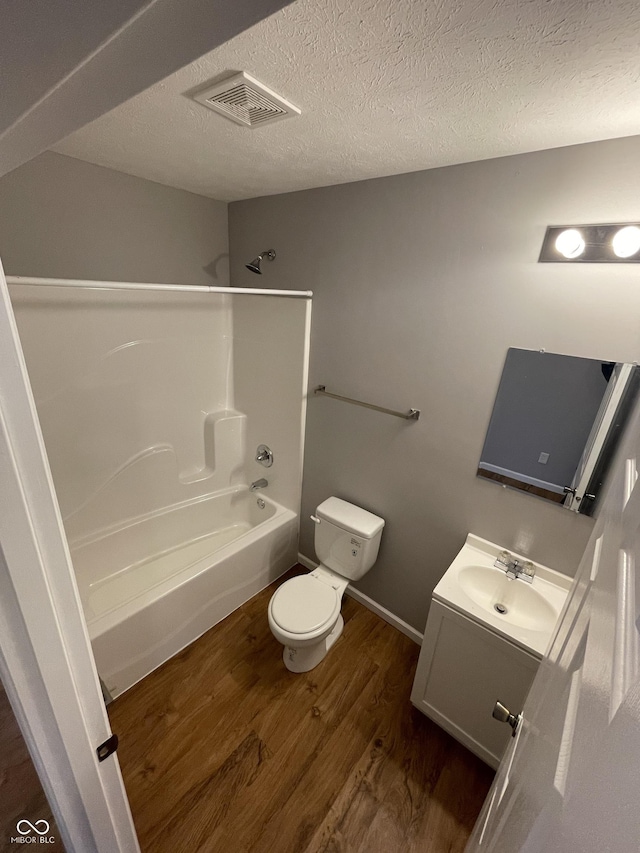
(135, 398)
(270, 355)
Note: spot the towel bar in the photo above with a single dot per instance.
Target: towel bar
(411, 415)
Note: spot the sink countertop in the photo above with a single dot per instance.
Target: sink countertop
(472, 586)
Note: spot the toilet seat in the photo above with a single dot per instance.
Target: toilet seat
(305, 606)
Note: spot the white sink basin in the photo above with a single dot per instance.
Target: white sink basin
(516, 602)
(524, 613)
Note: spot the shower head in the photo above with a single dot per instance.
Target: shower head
(254, 266)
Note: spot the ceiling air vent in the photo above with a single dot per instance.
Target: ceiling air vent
(246, 101)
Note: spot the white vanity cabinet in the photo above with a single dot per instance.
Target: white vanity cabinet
(486, 634)
(463, 668)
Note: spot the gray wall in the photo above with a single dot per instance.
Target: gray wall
(64, 218)
(546, 403)
(422, 282)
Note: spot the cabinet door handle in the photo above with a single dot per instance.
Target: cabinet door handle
(504, 715)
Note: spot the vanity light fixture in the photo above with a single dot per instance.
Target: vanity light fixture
(626, 241)
(596, 244)
(570, 243)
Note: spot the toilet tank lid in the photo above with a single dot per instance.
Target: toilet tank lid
(352, 518)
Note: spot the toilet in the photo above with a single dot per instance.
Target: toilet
(304, 613)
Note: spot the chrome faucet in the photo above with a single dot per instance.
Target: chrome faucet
(515, 568)
(259, 484)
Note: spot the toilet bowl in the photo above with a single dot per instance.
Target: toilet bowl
(304, 613)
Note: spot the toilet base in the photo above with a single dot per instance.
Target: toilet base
(308, 657)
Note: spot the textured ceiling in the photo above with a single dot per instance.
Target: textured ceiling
(385, 86)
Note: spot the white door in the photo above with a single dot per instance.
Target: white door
(46, 662)
(570, 783)
(616, 389)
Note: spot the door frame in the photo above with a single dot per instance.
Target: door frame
(46, 662)
(596, 441)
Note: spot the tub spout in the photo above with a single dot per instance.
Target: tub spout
(259, 484)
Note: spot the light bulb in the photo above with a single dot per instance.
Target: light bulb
(570, 243)
(626, 241)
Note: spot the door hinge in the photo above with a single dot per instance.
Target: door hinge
(107, 748)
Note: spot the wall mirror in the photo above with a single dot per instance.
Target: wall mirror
(555, 425)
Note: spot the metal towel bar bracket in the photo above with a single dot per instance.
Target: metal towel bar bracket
(411, 415)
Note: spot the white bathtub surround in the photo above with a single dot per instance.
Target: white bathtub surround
(370, 604)
(152, 479)
(151, 588)
(141, 287)
(125, 386)
(152, 404)
(270, 365)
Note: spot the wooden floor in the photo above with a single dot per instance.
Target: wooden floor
(21, 794)
(224, 750)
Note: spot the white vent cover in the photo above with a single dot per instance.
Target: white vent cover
(246, 101)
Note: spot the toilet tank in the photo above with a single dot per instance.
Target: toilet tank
(347, 537)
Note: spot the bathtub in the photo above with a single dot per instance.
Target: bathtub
(152, 586)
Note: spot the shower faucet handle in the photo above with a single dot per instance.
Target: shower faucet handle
(264, 456)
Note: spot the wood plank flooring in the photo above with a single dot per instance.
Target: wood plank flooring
(225, 751)
(21, 794)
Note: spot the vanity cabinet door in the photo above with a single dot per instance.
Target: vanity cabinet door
(463, 669)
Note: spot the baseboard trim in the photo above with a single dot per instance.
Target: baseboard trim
(370, 604)
(306, 562)
(387, 615)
